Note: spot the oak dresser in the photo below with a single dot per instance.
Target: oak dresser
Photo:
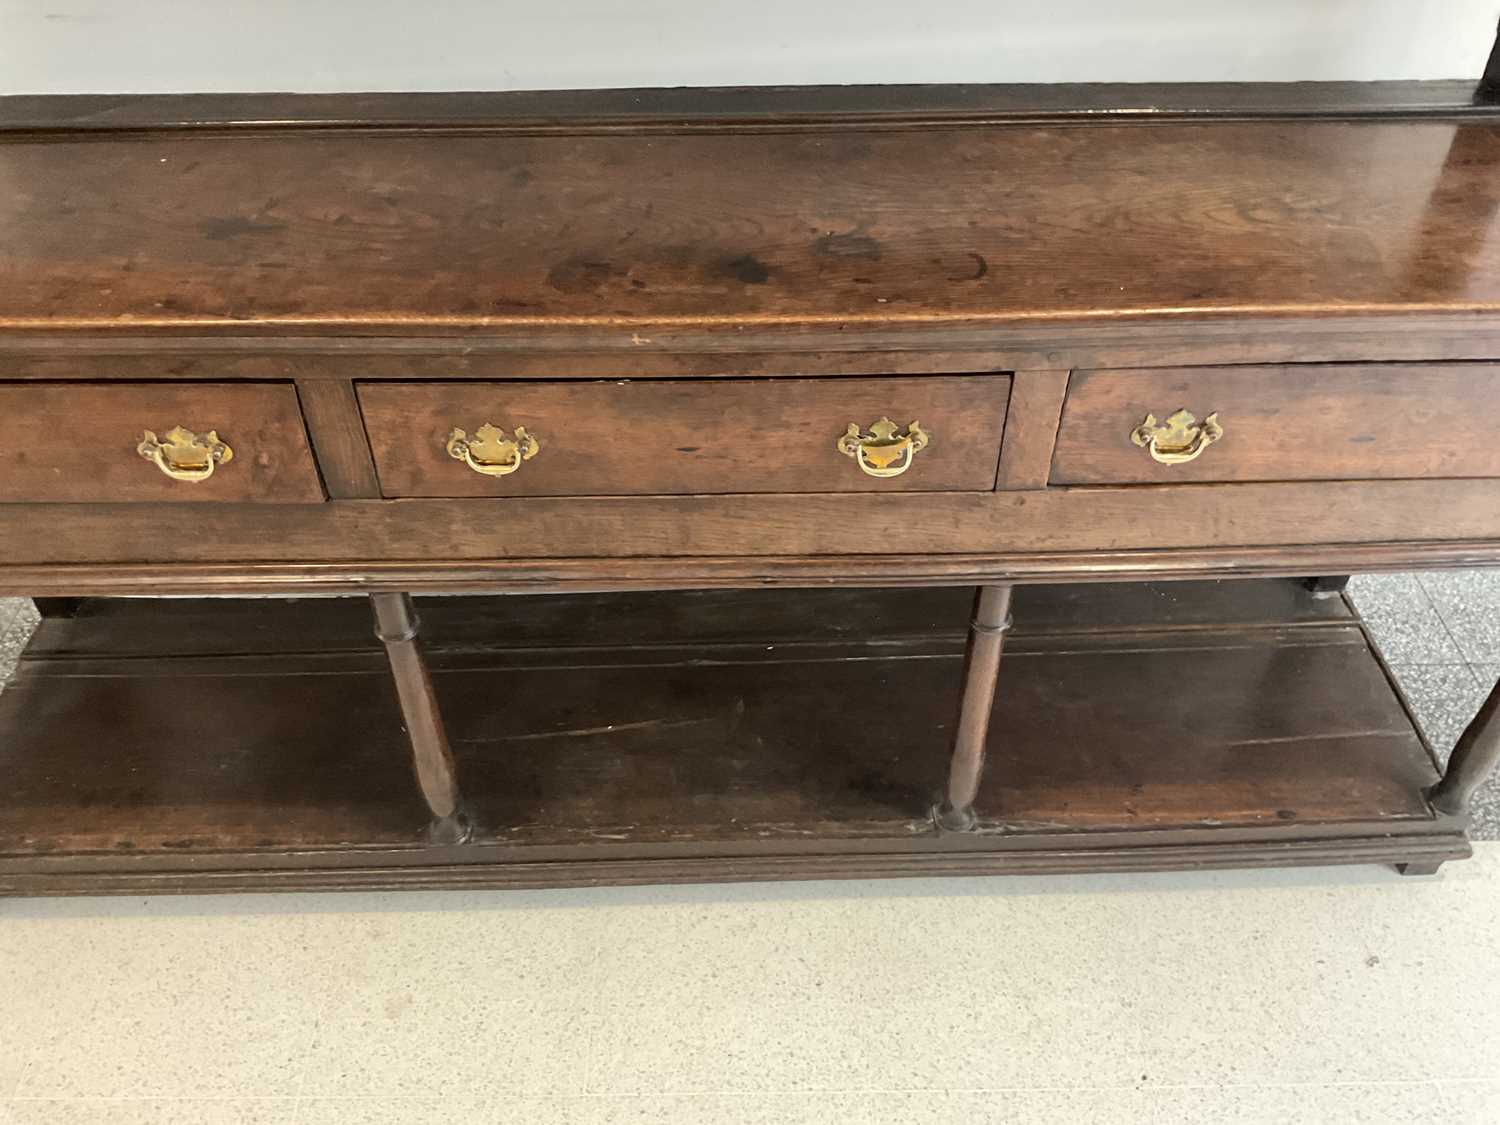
(689, 422)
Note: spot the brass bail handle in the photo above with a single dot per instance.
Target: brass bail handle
(883, 451)
(1178, 440)
(491, 451)
(184, 455)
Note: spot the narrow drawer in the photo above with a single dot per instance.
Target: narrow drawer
(669, 437)
(1335, 422)
(91, 443)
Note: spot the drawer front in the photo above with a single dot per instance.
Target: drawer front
(83, 443)
(1281, 423)
(684, 436)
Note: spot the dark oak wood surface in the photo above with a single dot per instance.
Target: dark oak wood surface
(663, 438)
(908, 532)
(1002, 224)
(752, 107)
(1036, 400)
(76, 444)
(118, 627)
(331, 411)
(651, 726)
(66, 582)
(678, 289)
(768, 350)
(1344, 422)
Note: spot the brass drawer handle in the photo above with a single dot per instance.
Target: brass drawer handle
(1179, 439)
(184, 455)
(882, 452)
(490, 451)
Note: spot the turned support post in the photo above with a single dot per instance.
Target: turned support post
(1473, 760)
(981, 667)
(396, 626)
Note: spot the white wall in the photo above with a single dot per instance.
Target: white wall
(108, 46)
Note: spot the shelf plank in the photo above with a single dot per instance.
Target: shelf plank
(1235, 706)
(142, 627)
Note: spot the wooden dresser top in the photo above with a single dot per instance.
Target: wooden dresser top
(738, 225)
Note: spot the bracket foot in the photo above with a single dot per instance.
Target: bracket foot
(1419, 867)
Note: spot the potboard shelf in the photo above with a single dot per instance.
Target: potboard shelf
(658, 737)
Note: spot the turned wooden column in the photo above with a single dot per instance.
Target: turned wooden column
(981, 667)
(1473, 760)
(396, 626)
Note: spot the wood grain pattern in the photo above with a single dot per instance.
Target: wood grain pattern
(987, 631)
(1036, 402)
(397, 629)
(1288, 423)
(338, 437)
(77, 444)
(615, 234)
(710, 256)
(753, 107)
(117, 627)
(900, 535)
(108, 357)
(65, 582)
(404, 868)
(705, 745)
(647, 438)
(561, 352)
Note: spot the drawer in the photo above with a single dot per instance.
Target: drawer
(83, 443)
(664, 437)
(1284, 423)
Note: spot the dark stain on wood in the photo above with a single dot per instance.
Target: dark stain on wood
(748, 269)
(582, 275)
(1104, 222)
(851, 244)
(236, 226)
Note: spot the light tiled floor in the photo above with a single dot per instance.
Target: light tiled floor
(17, 619)
(1321, 996)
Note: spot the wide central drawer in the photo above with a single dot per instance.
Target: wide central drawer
(704, 436)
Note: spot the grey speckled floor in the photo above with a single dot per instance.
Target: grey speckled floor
(1438, 630)
(18, 618)
(1347, 996)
